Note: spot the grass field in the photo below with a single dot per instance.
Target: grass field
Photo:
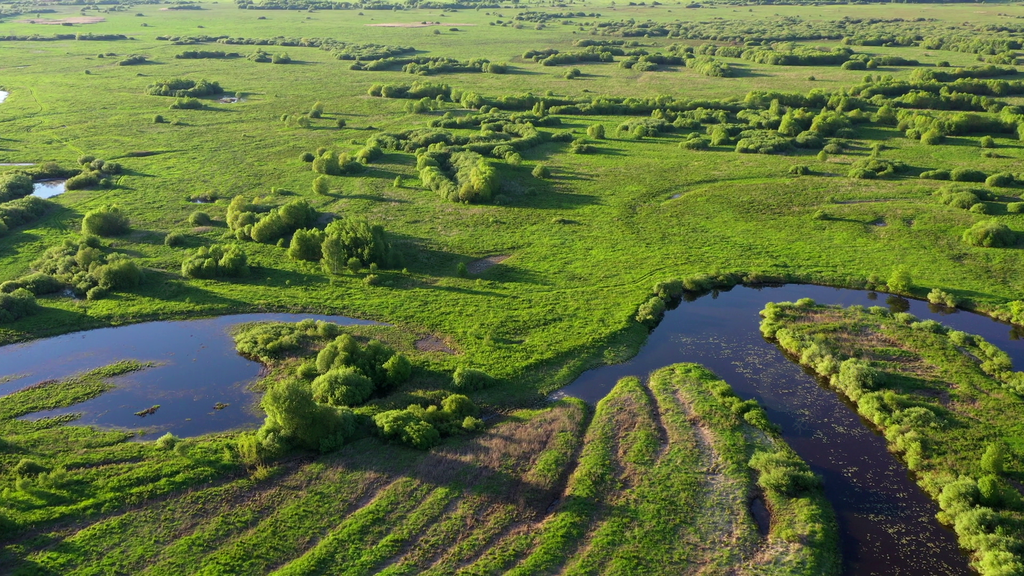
(577, 254)
(649, 481)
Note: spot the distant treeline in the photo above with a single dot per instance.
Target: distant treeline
(340, 50)
(87, 36)
(931, 34)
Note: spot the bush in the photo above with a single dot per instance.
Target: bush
(958, 199)
(966, 175)
(292, 412)
(990, 234)
(935, 175)
(199, 218)
(541, 171)
(468, 380)
(216, 261)
(987, 142)
(992, 461)
(932, 137)
(697, 143)
(14, 185)
(167, 441)
(120, 274)
(943, 298)
(105, 221)
(305, 245)
(408, 428)
(307, 157)
(900, 281)
(174, 239)
(345, 386)
(16, 305)
(1015, 207)
(1000, 180)
(350, 238)
(799, 170)
(596, 131)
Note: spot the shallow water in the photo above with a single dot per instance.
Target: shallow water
(197, 369)
(3, 96)
(887, 524)
(48, 188)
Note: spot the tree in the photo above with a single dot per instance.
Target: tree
(398, 369)
(993, 459)
(345, 386)
(306, 245)
(355, 238)
(292, 411)
(334, 255)
(354, 265)
(467, 379)
(105, 221)
(900, 280)
(321, 186)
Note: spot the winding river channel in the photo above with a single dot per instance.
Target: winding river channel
(887, 524)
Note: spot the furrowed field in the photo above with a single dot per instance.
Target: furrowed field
(518, 191)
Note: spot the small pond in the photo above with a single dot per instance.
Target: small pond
(48, 188)
(3, 96)
(197, 369)
(887, 524)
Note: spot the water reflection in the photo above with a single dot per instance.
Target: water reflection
(886, 522)
(197, 368)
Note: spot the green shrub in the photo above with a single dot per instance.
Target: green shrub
(199, 218)
(980, 208)
(990, 234)
(408, 428)
(1000, 180)
(987, 142)
(105, 221)
(695, 143)
(17, 304)
(1015, 207)
(935, 175)
(118, 274)
(468, 380)
(941, 297)
(596, 131)
(292, 412)
(932, 137)
(966, 175)
(958, 199)
(350, 239)
(216, 261)
(305, 245)
(345, 386)
(167, 441)
(799, 170)
(992, 461)
(174, 239)
(541, 171)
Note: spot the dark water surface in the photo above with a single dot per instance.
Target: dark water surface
(197, 368)
(887, 524)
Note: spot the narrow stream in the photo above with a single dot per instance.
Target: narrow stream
(197, 369)
(887, 524)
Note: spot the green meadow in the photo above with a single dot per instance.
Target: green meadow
(515, 221)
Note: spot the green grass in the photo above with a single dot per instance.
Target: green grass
(648, 482)
(584, 247)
